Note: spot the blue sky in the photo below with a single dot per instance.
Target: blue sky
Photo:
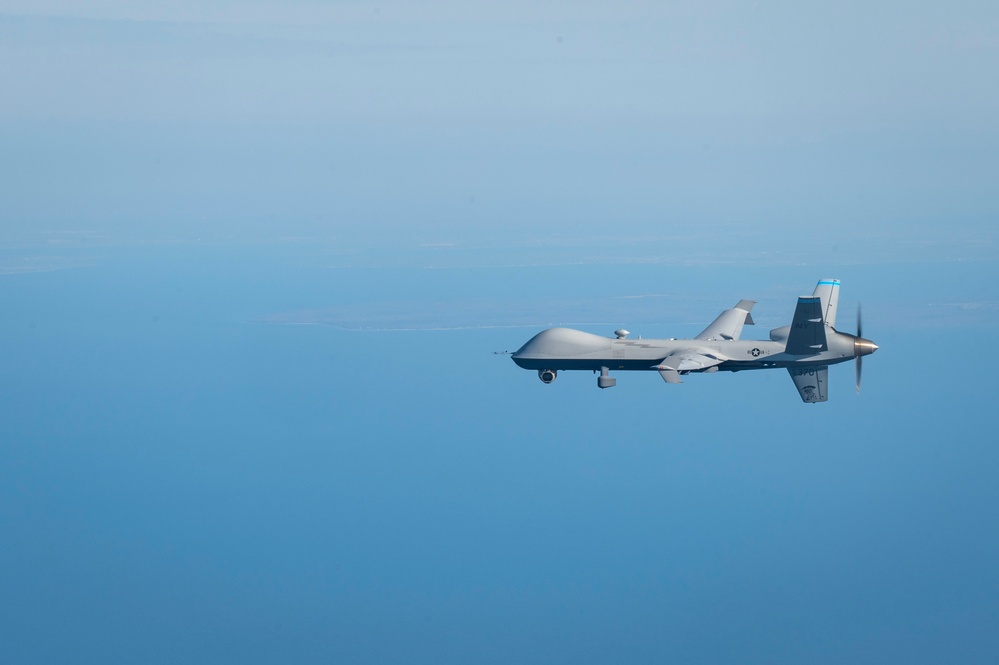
(255, 258)
(160, 119)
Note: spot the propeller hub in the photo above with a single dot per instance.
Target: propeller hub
(863, 347)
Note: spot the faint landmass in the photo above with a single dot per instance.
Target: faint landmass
(34, 264)
(664, 311)
(651, 315)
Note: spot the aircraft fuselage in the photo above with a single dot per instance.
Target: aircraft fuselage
(568, 349)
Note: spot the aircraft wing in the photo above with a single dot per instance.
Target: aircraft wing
(729, 323)
(811, 382)
(683, 361)
(808, 333)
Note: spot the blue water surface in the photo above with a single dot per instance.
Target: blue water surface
(184, 481)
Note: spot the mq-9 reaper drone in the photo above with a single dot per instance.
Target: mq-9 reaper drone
(805, 348)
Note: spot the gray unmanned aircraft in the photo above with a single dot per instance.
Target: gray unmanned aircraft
(805, 348)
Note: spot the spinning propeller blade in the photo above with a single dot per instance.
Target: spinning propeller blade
(860, 330)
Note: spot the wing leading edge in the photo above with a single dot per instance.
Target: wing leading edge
(728, 325)
(684, 361)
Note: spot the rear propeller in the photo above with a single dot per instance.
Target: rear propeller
(861, 347)
(860, 365)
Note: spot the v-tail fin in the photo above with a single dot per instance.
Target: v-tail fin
(808, 334)
(812, 383)
(827, 290)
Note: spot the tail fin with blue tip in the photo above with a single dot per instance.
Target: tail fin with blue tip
(828, 292)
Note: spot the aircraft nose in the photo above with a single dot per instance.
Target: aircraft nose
(864, 347)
